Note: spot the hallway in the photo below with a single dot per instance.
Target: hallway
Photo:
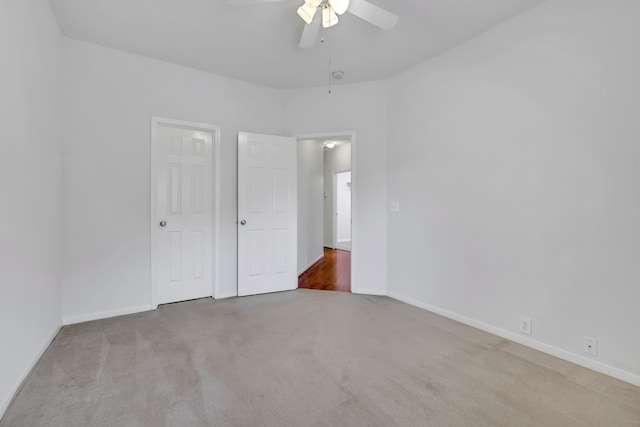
(331, 273)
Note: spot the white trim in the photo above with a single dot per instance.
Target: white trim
(308, 266)
(334, 211)
(215, 131)
(152, 213)
(583, 361)
(105, 314)
(354, 211)
(23, 378)
(365, 291)
(227, 295)
(216, 213)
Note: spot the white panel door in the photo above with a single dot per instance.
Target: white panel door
(342, 194)
(267, 214)
(183, 213)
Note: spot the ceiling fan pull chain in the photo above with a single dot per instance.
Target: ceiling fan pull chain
(329, 63)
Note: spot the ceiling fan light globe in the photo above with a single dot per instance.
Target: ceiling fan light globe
(307, 12)
(339, 6)
(329, 17)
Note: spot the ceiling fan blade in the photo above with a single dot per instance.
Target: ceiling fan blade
(373, 14)
(310, 34)
(248, 2)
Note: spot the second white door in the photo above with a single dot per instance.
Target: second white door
(267, 214)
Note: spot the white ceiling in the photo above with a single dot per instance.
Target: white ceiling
(259, 43)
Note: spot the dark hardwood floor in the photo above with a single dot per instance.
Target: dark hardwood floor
(331, 273)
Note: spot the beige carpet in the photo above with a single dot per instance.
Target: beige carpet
(307, 358)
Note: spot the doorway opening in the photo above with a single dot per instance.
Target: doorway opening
(325, 209)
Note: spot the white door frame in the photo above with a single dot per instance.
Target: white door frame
(215, 131)
(352, 136)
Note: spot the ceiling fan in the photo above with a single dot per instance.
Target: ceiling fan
(330, 10)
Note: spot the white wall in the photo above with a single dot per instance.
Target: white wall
(515, 161)
(110, 97)
(310, 200)
(337, 159)
(361, 108)
(30, 187)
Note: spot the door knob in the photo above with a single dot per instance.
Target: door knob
(163, 223)
(243, 222)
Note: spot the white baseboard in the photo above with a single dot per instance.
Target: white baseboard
(227, 295)
(25, 374)
(308, 266)
(365, 291)
(583, 361)
(70, 320)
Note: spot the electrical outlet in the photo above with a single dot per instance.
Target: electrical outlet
(394, 207)
(591, 346)
(525, 325)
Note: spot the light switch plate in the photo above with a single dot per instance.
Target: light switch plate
(394, 207)
(525, 325)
